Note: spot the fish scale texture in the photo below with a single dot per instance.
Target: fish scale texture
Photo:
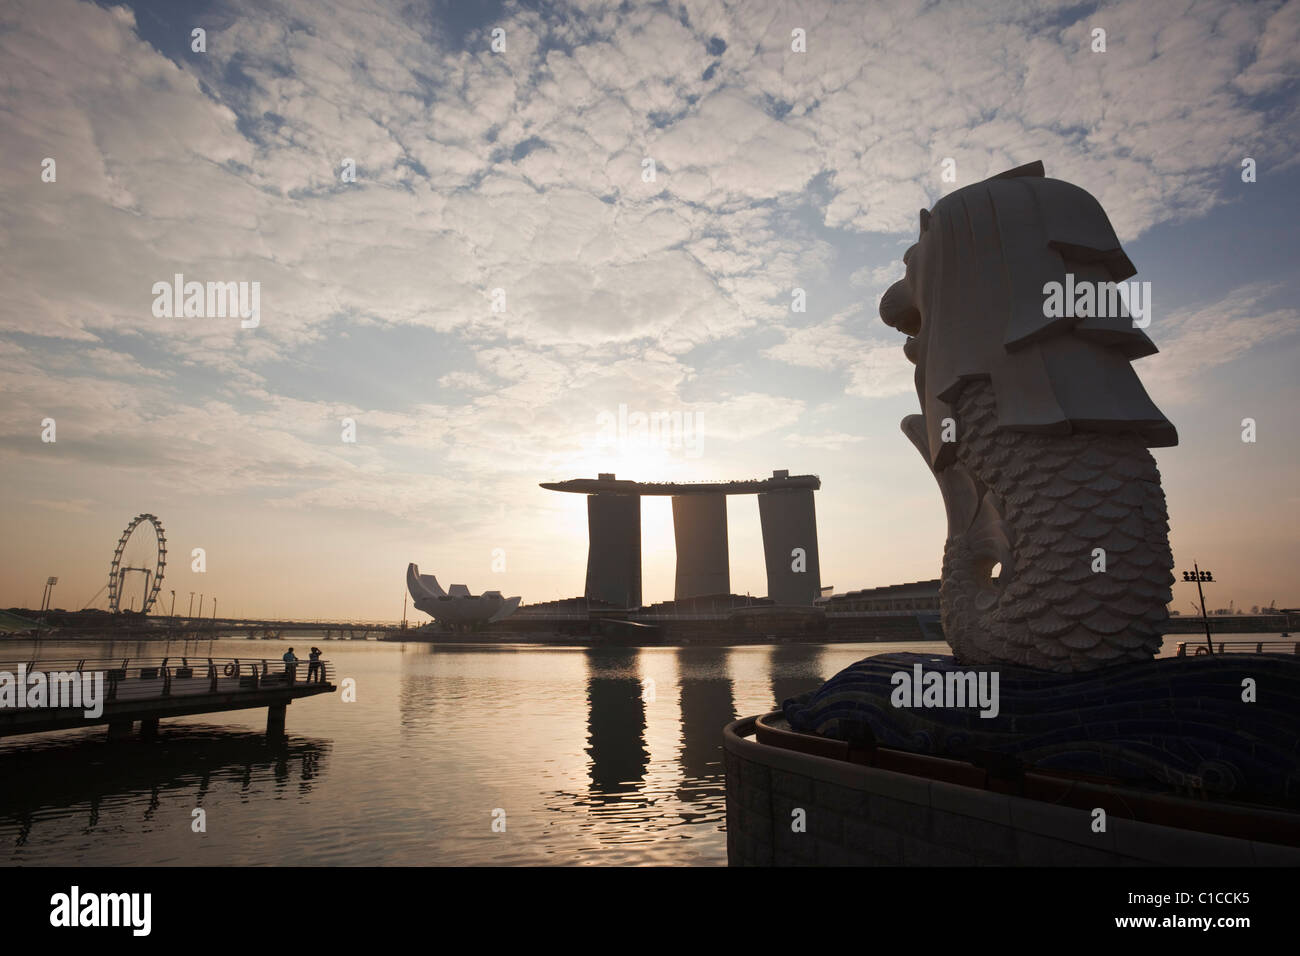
(1060, 497)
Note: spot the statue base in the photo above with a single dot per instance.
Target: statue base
(1223, 725)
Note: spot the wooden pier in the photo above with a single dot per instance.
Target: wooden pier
(145, 690)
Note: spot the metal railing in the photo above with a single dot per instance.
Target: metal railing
(1240, 647)
(250, 674)
(155, 619)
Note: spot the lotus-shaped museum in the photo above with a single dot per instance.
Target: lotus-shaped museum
(456, 606)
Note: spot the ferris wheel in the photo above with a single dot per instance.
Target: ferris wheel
(138, 552)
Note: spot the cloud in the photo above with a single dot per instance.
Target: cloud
(228, 163)
(829, 441)
(874, 366)
(1195, 340)
(1273, 63)
(522, 172)
(78, 506)
(878, 277)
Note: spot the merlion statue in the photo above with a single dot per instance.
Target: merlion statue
(1036, 428)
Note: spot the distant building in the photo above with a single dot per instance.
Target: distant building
(786, 512)
(916, 596)
(456, 607)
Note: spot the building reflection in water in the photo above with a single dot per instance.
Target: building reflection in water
(423, 689)
(183, 760)
(708, 704)
(616, 720)
(795, 668)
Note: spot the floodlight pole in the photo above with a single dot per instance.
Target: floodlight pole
(47, 599)
(1205, 614)
(1198, 576)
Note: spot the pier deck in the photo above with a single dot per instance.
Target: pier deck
(146, 690)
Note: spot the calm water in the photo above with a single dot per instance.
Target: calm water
(597, 756)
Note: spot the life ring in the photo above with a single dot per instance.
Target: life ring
(230, 670)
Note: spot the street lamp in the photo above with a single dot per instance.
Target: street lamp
(189, 616)
(1198, 576)
(173, 613)
(200, 607)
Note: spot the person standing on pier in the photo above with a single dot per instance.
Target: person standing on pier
(290, 665)
(313, 666)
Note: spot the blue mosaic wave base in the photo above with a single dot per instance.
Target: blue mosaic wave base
(1177, 722)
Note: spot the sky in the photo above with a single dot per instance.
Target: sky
(613, 209)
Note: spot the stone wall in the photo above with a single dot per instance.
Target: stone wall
(865, 816)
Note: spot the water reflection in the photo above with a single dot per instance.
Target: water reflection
(707, 705)
(796, 668)
(616, 720)
(56, 774)
(438, 736)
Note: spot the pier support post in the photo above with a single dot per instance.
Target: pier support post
(275, 721)
(119, 729)
(149, 728)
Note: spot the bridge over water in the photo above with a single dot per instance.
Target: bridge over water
(157, 627)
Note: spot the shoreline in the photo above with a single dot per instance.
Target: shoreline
(553, 640)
